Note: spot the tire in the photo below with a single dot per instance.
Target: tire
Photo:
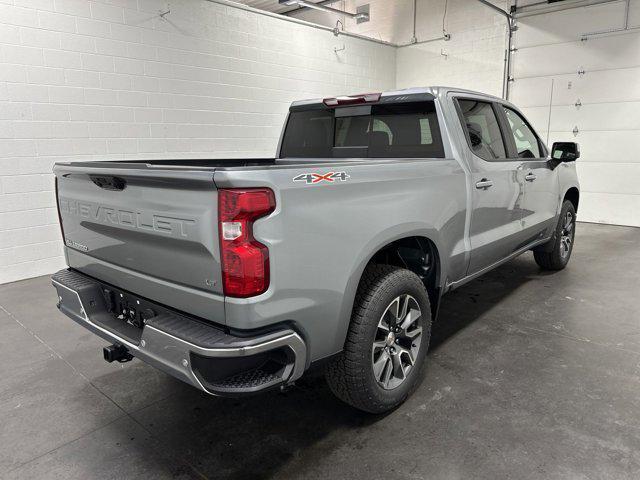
(557, 253)
(352, 376)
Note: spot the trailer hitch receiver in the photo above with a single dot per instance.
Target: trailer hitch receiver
(116, 353)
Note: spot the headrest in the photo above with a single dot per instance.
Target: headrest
(379, 139)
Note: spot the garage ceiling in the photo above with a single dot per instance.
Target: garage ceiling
(271, 5)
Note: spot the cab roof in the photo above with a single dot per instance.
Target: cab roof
(414, 94)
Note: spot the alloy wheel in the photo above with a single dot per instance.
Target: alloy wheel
(566, 235)
(397, 342)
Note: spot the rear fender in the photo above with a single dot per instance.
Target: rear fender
(385, 237)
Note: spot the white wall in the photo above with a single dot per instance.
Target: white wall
(550, 49)
(473, 58)
(112, 80)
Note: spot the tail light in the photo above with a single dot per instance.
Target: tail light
(352, 99)
(245, 261)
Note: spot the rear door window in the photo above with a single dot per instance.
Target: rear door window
(481, 126)
(405, 130)
(385, 131)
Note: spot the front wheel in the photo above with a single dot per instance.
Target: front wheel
(386, 343)
(559, 251)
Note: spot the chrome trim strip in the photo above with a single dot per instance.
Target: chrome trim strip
(290, 339)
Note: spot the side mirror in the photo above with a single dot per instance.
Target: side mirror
(565, 151)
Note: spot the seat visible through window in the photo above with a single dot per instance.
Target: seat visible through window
(482, 128)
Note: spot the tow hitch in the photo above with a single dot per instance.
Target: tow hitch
(118, 353)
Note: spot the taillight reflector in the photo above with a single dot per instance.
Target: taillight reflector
(245, 261)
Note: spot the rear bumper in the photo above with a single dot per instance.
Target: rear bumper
(190, 350)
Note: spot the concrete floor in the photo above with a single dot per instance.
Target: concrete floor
(530, 375)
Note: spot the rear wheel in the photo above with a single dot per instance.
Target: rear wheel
(558, 255)
(386, 343)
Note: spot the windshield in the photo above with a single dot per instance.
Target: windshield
(378, 131)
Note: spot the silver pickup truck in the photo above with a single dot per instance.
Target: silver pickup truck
(238, 276)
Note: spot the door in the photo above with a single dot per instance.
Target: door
(541, 190)
(497, 190)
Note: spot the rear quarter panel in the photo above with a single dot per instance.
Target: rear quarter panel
(322, 235)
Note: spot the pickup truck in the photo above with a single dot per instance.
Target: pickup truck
(240, 275)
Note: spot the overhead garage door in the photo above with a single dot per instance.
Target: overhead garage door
(586, 88)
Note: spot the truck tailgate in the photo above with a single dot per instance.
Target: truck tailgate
(149, 230)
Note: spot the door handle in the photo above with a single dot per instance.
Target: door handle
(530, 177)
(484, 184)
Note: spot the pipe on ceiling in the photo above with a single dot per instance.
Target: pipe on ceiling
(301, 8)
(324, 8)
(247, 8)
(543, 7)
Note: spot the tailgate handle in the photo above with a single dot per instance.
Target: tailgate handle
(109, 183)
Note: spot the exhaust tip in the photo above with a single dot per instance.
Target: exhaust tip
(116, 353)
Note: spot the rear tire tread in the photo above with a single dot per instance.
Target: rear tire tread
(346, 377)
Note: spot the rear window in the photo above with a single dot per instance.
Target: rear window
(378, 131)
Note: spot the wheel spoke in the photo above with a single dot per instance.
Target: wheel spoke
(404, 304)
(379, 345)
(378, 366)
(388, 370)
(568, 220)
(382, 325)
(407, 354)
(394, 308)
(410, 318)
(398, 371)
(412, 334)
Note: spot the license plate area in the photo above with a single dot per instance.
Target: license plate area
(128, 309)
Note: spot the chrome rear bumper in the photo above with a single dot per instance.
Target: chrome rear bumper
(188, 349)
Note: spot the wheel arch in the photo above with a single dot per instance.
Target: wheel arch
(573, 195)
(418, 254)
(382, 248)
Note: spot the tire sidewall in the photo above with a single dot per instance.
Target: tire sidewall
(396, 284)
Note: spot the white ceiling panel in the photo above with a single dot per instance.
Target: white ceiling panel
(270, 5)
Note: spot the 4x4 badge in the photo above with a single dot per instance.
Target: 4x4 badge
(321, 177)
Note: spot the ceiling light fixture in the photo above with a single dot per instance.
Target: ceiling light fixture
(324, 8)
